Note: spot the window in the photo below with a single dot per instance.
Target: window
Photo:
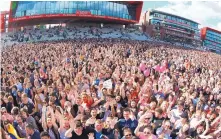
(108, 8)
(96, 7)
(61, 3)
(48, 5)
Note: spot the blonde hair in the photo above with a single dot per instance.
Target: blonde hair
(37, 102)
(10, 98)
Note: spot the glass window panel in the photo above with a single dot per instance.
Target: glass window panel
(118, 10)
(57, 7)
(91, 5)
(79, 6)
(48, 11)
(37, 5)
(66, 4)
(53, 5)
(48, 5)
(88, 5)
(111, 8)
(96, 6)
(115, 9)
(66, 10)
(105, 8)
(61, 3)
(84, 6)
(73, 11)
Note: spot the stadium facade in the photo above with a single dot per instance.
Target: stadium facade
(29, 13)
(211, 39)
(171, 28)
(4, 21)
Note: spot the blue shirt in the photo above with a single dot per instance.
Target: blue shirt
(195, 101)
(14, 93)
(129, 123)
(28, 92)
(159, 94)
(36, 135)
(29, 106)
(19, 86)
(97, 135)
(96, 82)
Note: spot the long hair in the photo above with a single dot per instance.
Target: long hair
(37, 102)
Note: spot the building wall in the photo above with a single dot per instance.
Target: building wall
(2, 23)
(209, 41)
(176, 26)
(4, 18)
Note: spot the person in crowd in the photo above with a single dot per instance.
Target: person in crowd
(103, 88)
(44, 135)
(32, 133)
(128, 121)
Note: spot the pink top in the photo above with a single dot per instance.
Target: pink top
(142, 136)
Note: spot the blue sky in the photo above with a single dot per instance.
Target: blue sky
(207, 13)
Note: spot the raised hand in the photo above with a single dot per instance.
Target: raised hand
(72, 123)
(91, 136)
(90, 121)
(113, 122)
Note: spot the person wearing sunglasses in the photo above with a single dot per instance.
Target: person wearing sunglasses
(145, 120)
(164, 130)
(127, 133)
(146, 134)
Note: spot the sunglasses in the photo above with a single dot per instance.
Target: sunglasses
(147, 133)
(147, 118)
(129, 135)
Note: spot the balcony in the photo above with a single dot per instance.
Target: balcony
(177, 30)
(179, 35)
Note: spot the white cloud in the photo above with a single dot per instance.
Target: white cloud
(201, 12)
(5, 5)
(219, 26)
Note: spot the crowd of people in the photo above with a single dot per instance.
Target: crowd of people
(109, 89)
(75, 31)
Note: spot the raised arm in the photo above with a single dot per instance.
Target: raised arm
(122, 91)
(43, 119)
(207, 127)
(216, 120)
(60, 118)
(96, 103)
(136, 131)
(68, 133)
(53, 119)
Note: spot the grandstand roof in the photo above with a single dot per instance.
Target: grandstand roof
(67, 18)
